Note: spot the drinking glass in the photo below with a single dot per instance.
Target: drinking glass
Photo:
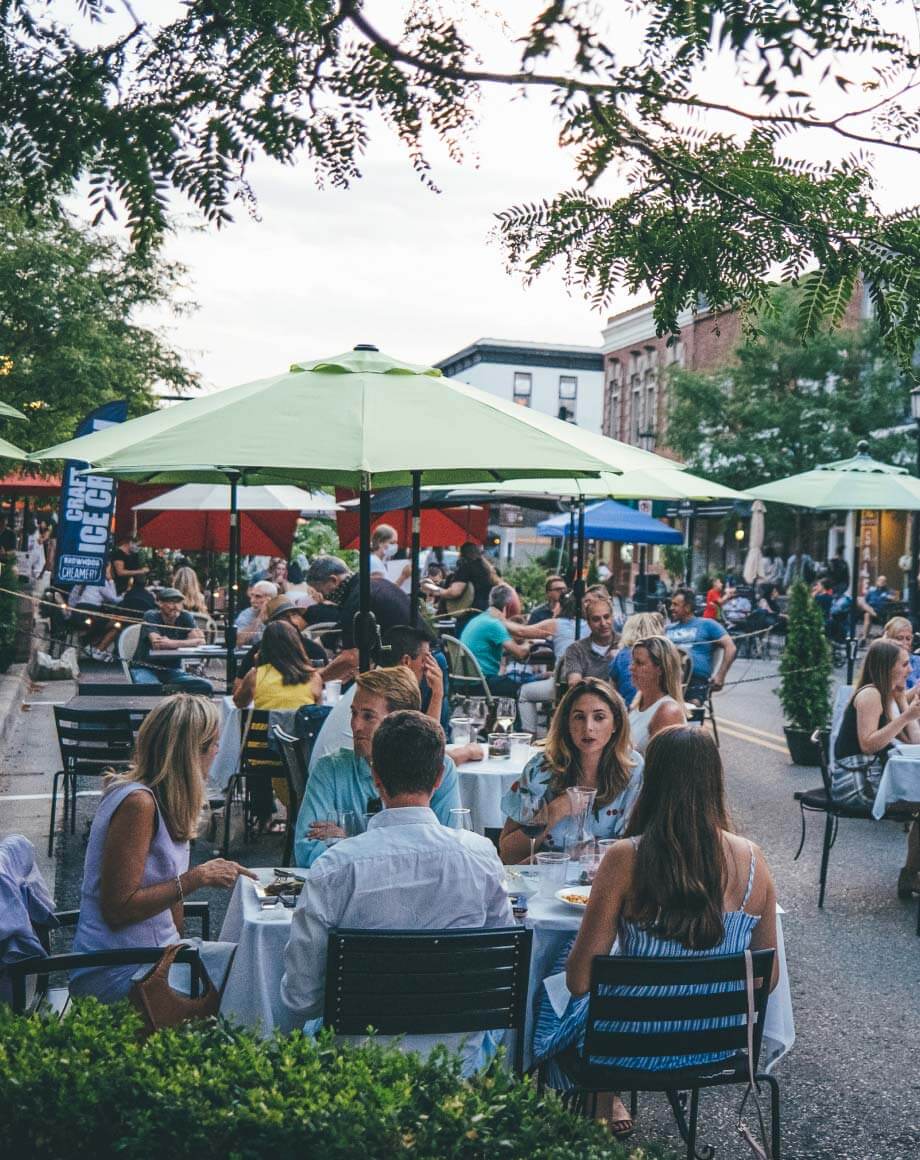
(461, 819)
(499, 745)
(551, 867)
(348, 821)
(533, 819)
(461, 728)
(520, 746)
(478, 711)
(332, 692)
(505, 713)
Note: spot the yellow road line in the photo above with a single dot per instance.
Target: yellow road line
(749, 728)
(752, 740)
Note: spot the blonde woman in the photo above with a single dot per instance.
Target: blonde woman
(136, 873)
(588, 744)
(185, 581)
(901, 631)
(655, 670)
(637, 627)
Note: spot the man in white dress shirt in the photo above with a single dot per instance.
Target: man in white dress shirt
(406, 872)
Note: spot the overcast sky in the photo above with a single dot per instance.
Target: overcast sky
(390, 262)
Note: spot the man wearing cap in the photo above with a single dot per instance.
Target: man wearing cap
(167, 628)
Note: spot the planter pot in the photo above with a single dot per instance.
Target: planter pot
(802, 749)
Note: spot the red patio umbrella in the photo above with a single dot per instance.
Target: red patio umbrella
(441, 527)
(261, 533)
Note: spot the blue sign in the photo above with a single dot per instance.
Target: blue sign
(87, 504)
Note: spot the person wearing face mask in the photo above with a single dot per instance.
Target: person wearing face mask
(384, 546)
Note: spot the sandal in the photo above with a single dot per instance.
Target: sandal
(621, 1129)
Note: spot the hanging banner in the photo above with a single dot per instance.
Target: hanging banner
(87, 503)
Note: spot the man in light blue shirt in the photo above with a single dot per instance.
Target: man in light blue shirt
(700, 638)
(405, 872)
(343, 780)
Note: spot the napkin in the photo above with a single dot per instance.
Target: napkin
(557, 993)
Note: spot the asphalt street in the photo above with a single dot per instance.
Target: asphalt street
(850, 1085)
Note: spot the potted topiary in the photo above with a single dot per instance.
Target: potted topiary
(805, 675)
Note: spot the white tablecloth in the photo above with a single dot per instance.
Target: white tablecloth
(252, 995)
(482, 785)
(900, 783)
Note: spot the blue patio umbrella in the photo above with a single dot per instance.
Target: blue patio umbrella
(610, 520)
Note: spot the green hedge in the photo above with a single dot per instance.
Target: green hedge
(86, 1087)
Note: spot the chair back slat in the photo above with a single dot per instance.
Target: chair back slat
(256, 753)
(650, 1017)
(93, 738)
(463, 667)
(438, 983)
(293, 756)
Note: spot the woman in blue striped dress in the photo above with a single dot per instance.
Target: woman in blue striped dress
(682, 885)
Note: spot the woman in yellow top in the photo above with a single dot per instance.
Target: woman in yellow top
(283, 677)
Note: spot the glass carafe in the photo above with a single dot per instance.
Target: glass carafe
(580, 844)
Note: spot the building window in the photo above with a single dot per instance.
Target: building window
(568, 395)
(523, 387)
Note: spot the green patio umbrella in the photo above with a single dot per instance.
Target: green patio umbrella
(361, 420)
(11, 451)
(848, 485)
(8, 412)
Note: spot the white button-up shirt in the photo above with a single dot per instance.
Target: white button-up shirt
(406, 872)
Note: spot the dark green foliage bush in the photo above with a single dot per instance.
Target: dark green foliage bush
(9, 610)
(805, 666)
(86, 1087)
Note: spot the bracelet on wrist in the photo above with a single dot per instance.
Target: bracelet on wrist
(180, 895)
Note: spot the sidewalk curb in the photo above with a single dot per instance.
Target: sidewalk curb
(12, 689)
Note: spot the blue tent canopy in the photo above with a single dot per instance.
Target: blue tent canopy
(609, 520)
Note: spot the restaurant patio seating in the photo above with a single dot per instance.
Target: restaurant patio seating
(298, 769)
(258, 765)
(92, 742)
(709, 713)
(128, 640)
(466, 677)
(819, 801)
(659, 1001)
(438, 982)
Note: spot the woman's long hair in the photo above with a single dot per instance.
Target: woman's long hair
(877, 668)
(641, 624)
(186, 581)
(282, 648)
(167, 758)
(561, 754)
(681, 873)
(473, 555)
(664, 656)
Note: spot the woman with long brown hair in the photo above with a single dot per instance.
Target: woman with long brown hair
(283, 677)
(588, 745)
(878, 714)
(683, 885)
(659, 703)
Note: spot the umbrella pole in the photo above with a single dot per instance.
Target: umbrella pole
(363, 633)
(580, 568)
(854, 592)
(233, 578)
(570, 568)
(416, 545)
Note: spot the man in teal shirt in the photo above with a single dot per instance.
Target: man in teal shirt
(342, 781)
(488, 638)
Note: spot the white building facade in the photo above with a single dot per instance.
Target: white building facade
(566, 382)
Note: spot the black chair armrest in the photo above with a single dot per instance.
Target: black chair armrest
(124, 956)
(200, 910)
(67, 917)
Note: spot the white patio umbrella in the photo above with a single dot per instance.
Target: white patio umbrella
(753, 562)
(215, 497)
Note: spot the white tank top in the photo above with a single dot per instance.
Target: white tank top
(640, 721)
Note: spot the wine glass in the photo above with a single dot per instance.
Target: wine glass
(477, 711)
(505, 713)
(533, 818)
(461, 819)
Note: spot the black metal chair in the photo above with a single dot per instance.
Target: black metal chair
(41, 967)
(439, 982)
(259, 763)
(660, 1002)
(92, 742)
(820, 801)
(709, 713)
(297, 763)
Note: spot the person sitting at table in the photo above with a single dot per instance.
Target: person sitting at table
(185, 579)
(473, 568)
(283, 608)
(901, 631)
(592, 655)
(166, 629)
(410, 647)
(136, 874)
(659, 702)
(101, 603)
(405, 870)
(384, 546)
(324, 575)
(251, 623)
(877, 714)
(555, 589)
(283, 677)
(490, 638)
(588, 744)
(701, 639)
(684, 886)
(342, 782)
(637, 627)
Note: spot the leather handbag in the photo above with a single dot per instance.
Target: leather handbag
(760, 1149)
(161, 1005)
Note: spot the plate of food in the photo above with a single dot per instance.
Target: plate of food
(576, 896)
